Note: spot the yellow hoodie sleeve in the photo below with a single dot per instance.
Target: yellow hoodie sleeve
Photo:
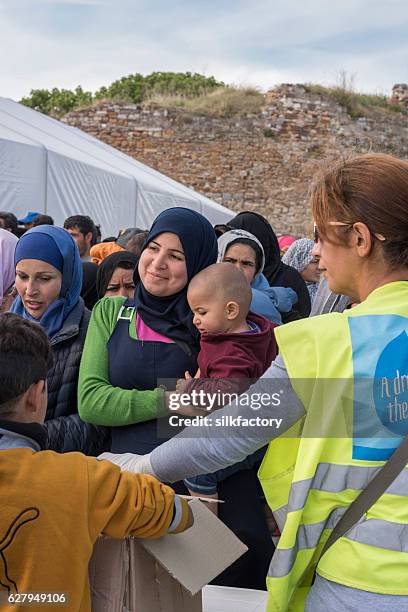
(122, 504)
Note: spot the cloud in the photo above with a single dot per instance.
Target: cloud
(64, 43)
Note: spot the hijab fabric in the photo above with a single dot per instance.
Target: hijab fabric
(52, 244)
(88, 291)
(7, 269)
(232, 237)
(109, 265)
(257, 225)
(299, 255)
(171, 316)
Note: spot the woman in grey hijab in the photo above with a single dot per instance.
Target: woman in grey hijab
(245, 251)
(299, 256)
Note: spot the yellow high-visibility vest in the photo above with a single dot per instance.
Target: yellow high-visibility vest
(350, 371)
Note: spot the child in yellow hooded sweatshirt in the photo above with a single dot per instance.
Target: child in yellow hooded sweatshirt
(54, 507)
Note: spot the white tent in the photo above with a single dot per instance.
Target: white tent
(58, 170)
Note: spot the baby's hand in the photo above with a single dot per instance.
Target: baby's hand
(181, 385)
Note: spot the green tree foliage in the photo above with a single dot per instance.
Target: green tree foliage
(57, 102)
(132, 88)
(129, 88)
(178, 83)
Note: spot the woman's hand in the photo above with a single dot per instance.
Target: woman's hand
(129, 462)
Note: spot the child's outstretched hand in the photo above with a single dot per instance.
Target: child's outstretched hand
(182, 385)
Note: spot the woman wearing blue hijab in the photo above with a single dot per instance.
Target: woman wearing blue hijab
(48, 282)
(49, 277)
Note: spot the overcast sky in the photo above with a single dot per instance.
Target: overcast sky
(63, 43)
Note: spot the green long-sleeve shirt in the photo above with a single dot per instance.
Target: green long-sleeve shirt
(98, 401)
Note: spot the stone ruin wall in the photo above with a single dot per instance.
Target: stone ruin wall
(261, 162)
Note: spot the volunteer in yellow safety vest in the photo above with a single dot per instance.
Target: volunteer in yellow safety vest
(338, 406)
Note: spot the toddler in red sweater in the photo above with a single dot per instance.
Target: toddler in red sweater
(236, 348)
(236, 345)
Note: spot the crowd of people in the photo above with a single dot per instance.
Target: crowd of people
(99, 338)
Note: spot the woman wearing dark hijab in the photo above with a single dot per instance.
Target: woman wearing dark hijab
(132, 344)
(88, 291)
(115, 275)
(276, 272)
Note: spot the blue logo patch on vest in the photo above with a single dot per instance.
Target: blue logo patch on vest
(380, 364)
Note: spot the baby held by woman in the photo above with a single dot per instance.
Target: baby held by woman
(236, 348)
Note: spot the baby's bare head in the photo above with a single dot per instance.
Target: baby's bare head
(223, 283)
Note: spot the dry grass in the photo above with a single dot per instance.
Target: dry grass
(222, 102)
(232, 101)
(356, 104)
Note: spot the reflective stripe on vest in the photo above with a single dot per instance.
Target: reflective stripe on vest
(308, 536)
(373, 532)
(335, 478)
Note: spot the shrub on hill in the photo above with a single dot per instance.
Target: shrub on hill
(132, 88)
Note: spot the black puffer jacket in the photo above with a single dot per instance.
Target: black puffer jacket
(66, 431)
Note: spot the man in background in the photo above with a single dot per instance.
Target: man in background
(83, 231)
(28, 220)
(43, 220)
